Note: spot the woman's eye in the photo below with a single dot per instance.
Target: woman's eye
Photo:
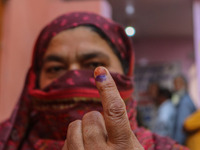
(54, 69)
(93, 65)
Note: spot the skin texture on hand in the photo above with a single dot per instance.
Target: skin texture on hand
(108, 132)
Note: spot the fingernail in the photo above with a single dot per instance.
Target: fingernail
(100, 74)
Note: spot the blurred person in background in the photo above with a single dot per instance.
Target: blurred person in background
(165, 120)
(192, 128)
(67, 95)
(184, 107)
(146, 105)
(153, 90)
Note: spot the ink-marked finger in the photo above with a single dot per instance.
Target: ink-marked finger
(115, 116)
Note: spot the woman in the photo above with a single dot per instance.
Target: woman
(60, 88)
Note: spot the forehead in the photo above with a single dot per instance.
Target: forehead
(80, 38)
(81, 32)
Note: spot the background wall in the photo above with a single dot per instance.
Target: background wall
(162, 50)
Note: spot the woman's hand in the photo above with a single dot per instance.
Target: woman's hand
(109, 132)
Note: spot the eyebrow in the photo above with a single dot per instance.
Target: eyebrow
(54, 57)
(93, 55)
(82, 57)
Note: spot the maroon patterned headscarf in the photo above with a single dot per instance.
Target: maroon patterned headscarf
(113, 31)
(41, 117)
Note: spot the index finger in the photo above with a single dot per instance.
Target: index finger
(115, 115)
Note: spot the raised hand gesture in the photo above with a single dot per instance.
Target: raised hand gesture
(108, 132)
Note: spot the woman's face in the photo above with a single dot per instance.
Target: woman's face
(77, 48)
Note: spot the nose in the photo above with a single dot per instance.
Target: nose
(74, 66)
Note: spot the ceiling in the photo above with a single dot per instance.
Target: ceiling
(156, 18)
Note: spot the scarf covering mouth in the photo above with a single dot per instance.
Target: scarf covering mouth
(77, 86)
(69, 98)
(27, 128)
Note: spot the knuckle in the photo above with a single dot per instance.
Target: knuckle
(92, 126)
(73, 134)
(72, 129)
(91, 116)
(91, 134)
(74, 124)
(116, 110)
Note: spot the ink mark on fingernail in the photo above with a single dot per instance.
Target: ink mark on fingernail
(100, 78)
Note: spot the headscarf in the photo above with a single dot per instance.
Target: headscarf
(113, 31)
(41, 117)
